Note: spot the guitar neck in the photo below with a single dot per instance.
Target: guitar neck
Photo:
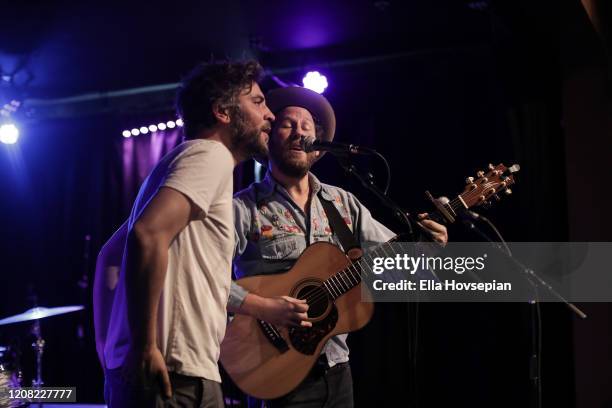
(343, 281)
(478, 192)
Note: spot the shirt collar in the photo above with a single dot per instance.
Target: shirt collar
(269, 186)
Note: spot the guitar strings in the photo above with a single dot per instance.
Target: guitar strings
(321, 292)
(330, 289)
(354, 265)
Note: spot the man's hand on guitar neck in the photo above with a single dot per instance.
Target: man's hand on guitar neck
(438, 231)
(281, 311)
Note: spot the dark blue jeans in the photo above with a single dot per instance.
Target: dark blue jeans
(324, 387)
(186, 392)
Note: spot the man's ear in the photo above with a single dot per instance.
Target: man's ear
(221, 113)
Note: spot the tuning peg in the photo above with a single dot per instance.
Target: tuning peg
(469, 180)
(491, 166)
(480, 173)
(507, 191)
(514, 168)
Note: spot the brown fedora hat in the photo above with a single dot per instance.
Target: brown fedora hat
(315, 103)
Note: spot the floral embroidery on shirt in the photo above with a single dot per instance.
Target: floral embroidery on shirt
(289, 216)
(293, 229)
(264, 210)
(275, 219)
(267, 231)
(278, 220)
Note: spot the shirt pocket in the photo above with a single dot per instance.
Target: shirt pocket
(280, 248)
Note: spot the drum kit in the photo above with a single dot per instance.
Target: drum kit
(10, 370)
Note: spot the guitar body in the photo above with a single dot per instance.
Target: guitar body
(263, 368)
(267, 362)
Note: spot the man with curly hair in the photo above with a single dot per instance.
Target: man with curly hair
(161, 344)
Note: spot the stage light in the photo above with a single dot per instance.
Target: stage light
(161, 126)
(315, 81)
(9, 133)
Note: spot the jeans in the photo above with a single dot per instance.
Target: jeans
(324, 387)
(186, 392)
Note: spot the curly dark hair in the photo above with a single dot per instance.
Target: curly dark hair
(219, 82)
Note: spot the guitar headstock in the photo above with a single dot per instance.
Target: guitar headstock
(479, 191)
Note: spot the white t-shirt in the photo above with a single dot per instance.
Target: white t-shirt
(192, 316)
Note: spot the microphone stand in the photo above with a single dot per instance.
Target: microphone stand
(408, 221)
(530, 274)
(534, 305)
(368, 183)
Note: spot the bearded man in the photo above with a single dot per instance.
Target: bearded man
(160, 344)
(276, 220)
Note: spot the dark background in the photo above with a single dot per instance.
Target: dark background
(441, 88)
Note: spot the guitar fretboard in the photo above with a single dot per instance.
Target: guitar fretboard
(343, 281)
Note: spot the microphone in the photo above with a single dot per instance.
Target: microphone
(310, 144)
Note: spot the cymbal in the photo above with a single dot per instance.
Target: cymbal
(37, 313)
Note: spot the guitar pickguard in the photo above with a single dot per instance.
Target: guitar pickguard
(306, 339)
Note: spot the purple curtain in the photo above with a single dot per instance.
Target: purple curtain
(139, 155)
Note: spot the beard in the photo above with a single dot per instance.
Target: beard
(246, 138)
(281, 156)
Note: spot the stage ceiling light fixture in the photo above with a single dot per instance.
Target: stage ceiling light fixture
(9, 133)
(315, 81)
(161, 126)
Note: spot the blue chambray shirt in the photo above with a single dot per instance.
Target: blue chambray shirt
(272, 231)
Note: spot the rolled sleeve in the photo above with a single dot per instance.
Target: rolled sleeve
(242, 226)
(236, 296)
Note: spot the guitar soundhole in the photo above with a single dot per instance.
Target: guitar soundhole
(306, 339)
(316, 296)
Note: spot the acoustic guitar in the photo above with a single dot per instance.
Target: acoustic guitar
(266, 361)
